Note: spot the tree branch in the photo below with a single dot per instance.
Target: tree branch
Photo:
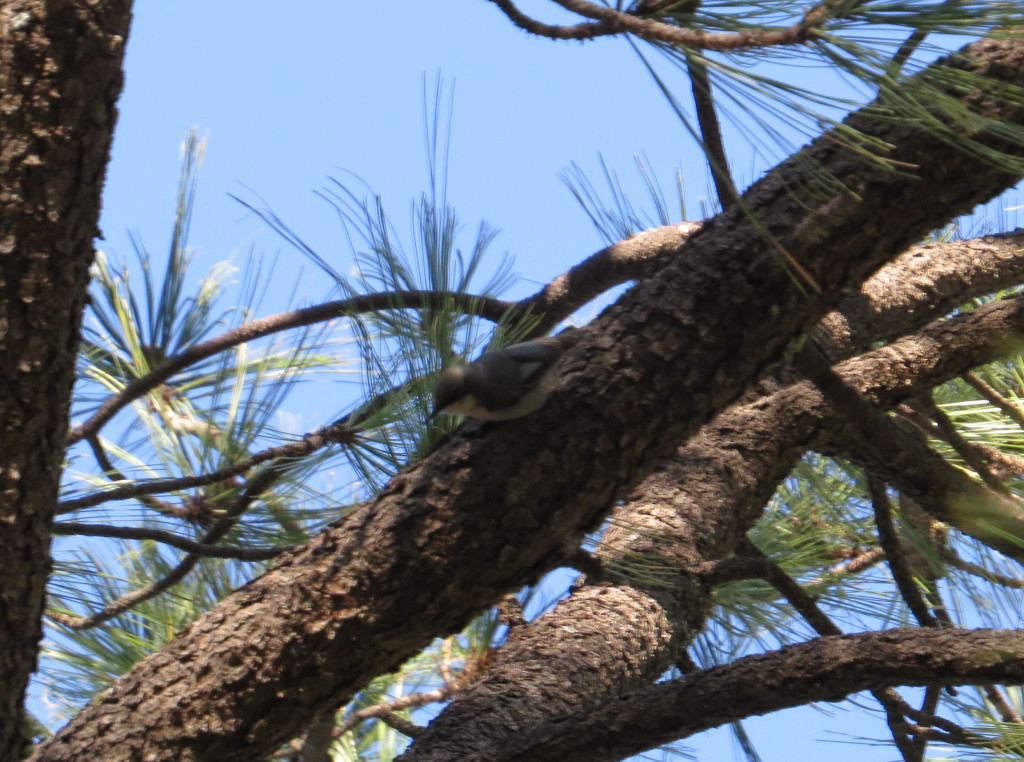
(337, 433)
(711, 132)
(60, 77)
(898, 565)
(441, 541)
(607, 21)
(71, 528)
(256, 487)
(825, 669)
(633, 258)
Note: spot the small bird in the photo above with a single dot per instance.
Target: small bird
(504, 384)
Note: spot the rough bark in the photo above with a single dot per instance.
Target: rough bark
(690, 512)
(493, 506)
(824, 669)
(60, 74)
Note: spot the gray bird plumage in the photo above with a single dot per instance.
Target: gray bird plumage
(504, 384)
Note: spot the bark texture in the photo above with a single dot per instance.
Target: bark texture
(60, 75)
(691, 512)
(493, 507)
(824, 669)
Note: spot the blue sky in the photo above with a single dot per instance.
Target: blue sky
(289, 95)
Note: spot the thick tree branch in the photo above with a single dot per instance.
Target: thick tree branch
(826, 669)
(926, 282)
(441, 541)
(688, 514)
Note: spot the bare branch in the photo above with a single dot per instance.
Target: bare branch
(114, 474)
(257, 486)
(711, 132)
(898, 565)
(825, 669)
(586, 31)
(68, 528)
(611, 21)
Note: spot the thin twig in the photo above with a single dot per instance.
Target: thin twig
(929, 707)
(626, 260)
(966, 450)
(587, 31)
(487, 308)
(257, 486)
(404, 702)
(861, 561)
(906, 50)
(338, 432)
(71, 528)
(790, 589)
(611, 21)
(950, 557)
(998, 699)
(399, 723)
(711, 132)
(114, 474)
(890, 543)
(1005, 404)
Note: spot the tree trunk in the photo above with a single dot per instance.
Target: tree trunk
(60, 74)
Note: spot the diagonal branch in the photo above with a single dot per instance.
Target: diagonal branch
(339, 432)
(825, 669)
(491, 309)
(687, 514)
(889, 541)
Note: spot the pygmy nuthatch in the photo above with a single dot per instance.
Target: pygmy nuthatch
(504, 384)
